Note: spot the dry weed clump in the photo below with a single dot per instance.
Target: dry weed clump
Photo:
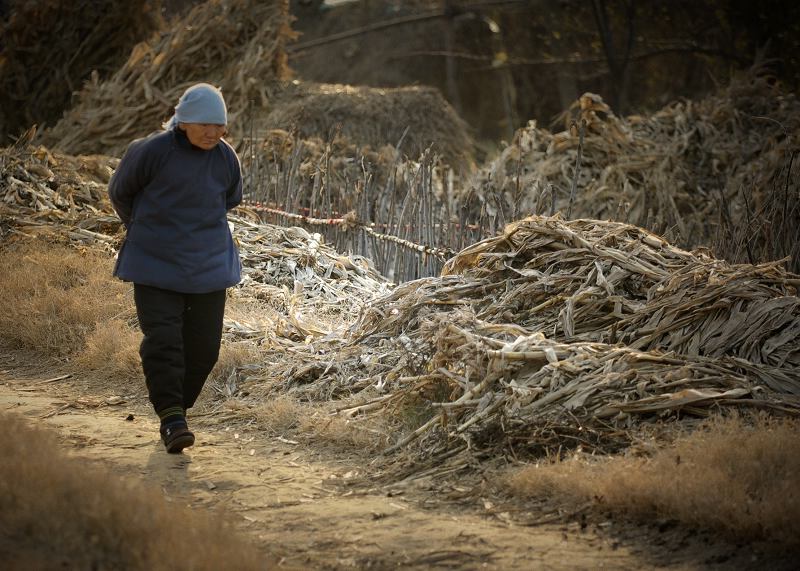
(341, 433)
(767, 229)
(55, 512)
(54, 297)
(232, 356)
(278, 415)
(112, 350)
(286, 417)
(731, 475)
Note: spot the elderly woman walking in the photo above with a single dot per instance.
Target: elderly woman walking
(172, 191)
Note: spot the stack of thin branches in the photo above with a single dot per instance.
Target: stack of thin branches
(318, 174)
(673, 172)
(237, 45)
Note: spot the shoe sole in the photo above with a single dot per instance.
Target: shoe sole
(180, 442)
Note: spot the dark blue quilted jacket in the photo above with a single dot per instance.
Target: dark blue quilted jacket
(173, 198)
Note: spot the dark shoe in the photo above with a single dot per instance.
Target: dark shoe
(177, 438)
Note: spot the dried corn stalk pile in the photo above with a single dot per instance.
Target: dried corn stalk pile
(667, 172)
(237, 45)
(552, 333)
(50, 47)
(42, 190)
(562, 332)
(587, 280)
(312, 288)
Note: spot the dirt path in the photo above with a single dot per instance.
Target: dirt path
(290, 501)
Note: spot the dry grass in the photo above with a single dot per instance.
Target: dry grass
(55, 512)
(287, 417)
(278, 415)
(341, 433)
(232, 356)
(54, 296)
(62, 301)
(734, 476)
(767, 229)
(112, 351)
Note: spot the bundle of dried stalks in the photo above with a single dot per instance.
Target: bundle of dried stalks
(376, 203)
(587, 280)
(51, 46)
(237, 45)
(411, 118)
(667, 172)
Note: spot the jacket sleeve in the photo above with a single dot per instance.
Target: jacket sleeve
(131, 176)
(234, 195)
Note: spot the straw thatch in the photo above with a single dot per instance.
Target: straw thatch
(414, 118)
(50, 47)
(668, 172)
(237, 45)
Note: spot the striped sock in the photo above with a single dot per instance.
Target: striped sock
(172, 416)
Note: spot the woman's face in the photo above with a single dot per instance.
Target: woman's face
(204, 135)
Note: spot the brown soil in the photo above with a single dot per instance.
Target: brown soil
(313, 510)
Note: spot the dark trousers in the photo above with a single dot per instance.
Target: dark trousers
(182, 334)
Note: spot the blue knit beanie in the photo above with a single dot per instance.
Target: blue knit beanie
(201, 103)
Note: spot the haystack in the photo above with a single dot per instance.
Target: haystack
(672, 172)
(237, 45)
(50, 47)
(413, 117)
